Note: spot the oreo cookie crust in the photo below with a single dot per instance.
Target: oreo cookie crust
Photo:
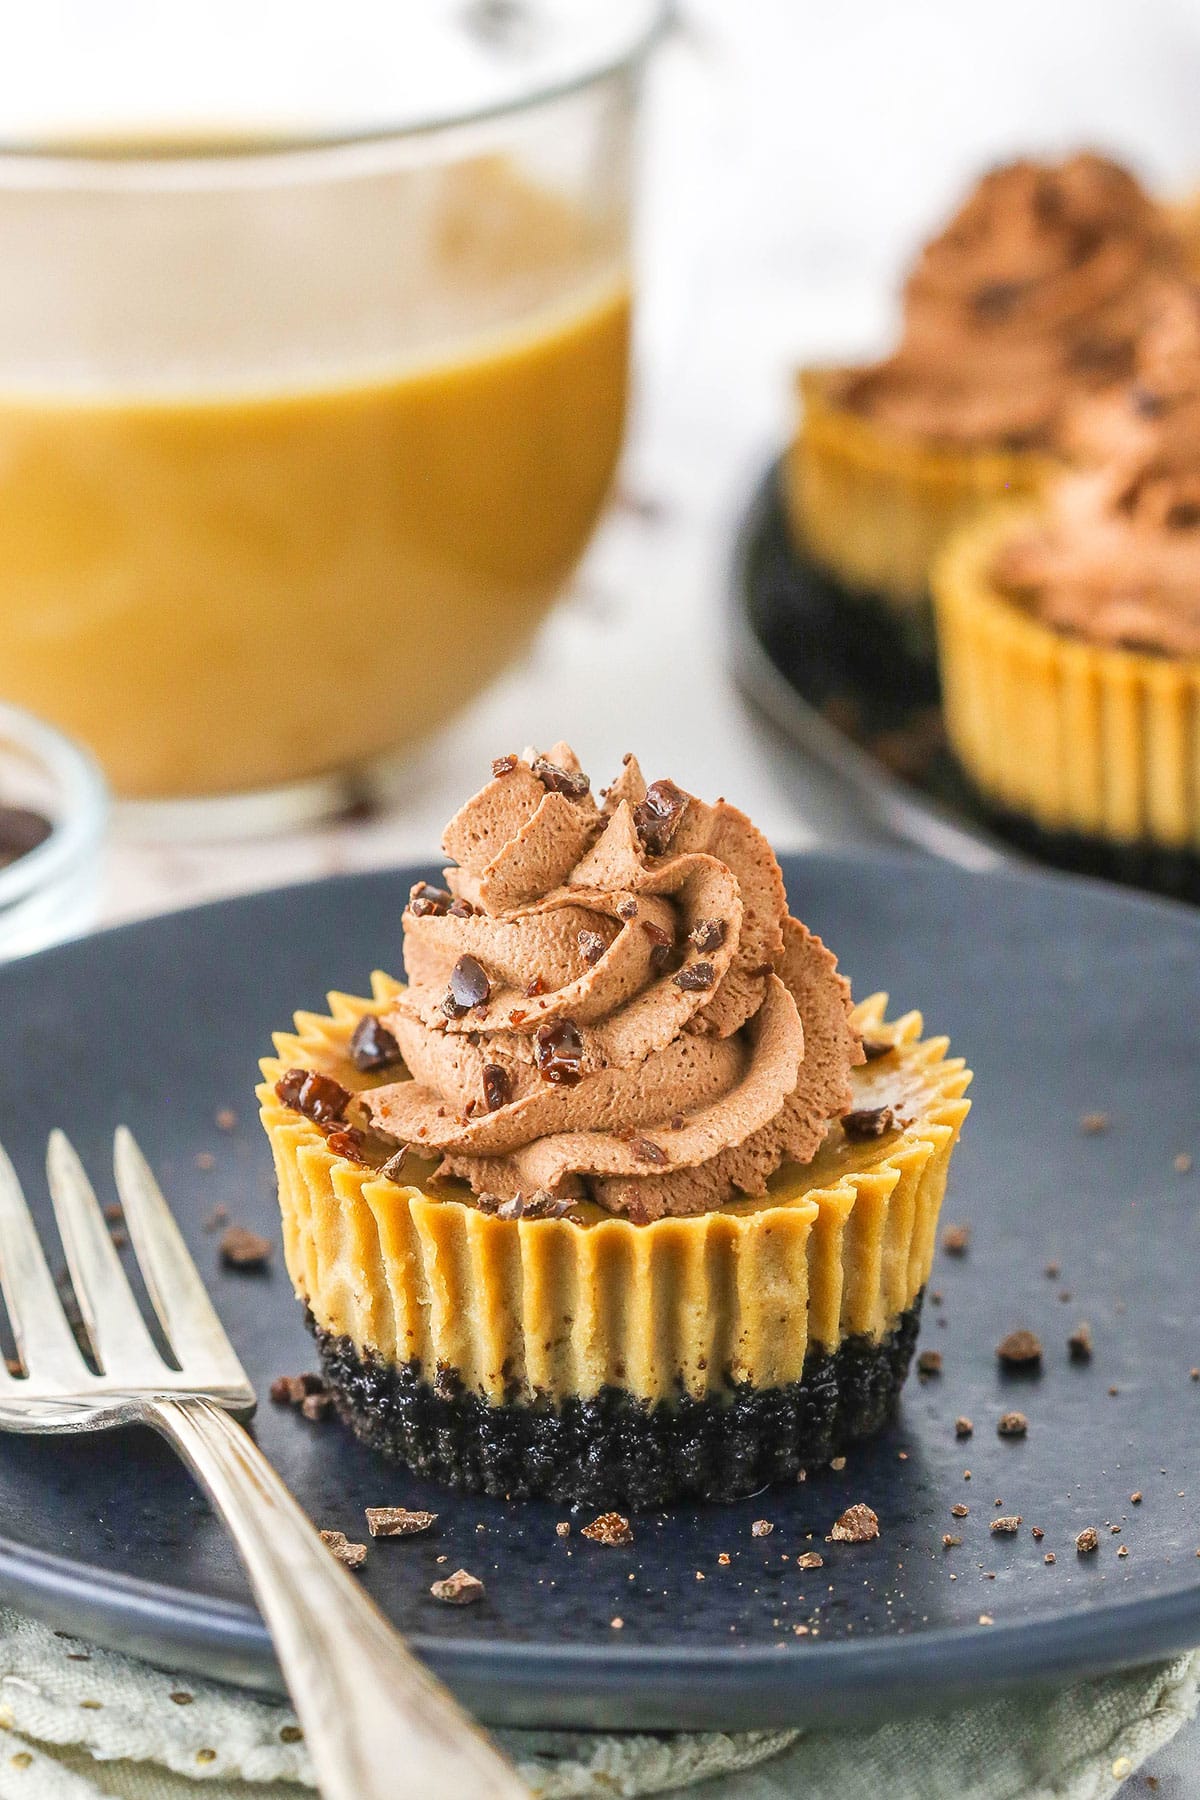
(614, 1447)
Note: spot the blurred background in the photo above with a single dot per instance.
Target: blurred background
(785, 162)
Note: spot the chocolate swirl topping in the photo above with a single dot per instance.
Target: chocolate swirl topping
(1116, 558)
(1031, 296)
(611, 1002)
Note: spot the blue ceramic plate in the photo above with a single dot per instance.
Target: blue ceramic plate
(1067, 998)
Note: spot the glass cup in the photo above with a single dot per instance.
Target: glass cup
(53, 891)
(302, 424)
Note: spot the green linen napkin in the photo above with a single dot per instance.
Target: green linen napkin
(77, 1722)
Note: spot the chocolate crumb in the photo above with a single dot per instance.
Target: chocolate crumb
(591, 947)
(1013, 1424)
(874, 1048)
(761, 1528)
(1007, 1526)
(1036, 1533)
(429, 902)
(958, 1510)
(317, 1407)
(503, 765)
(963, 1427)
(563, 1528)
(646, 1150)
(868, 1121)
(372, 1046)
(570, 785)
(661, 941)
(929, 1363)
(1088, 1540)
(708, 934)
(351, 1556)
(497, 1086)
(955, 1239)
(243, 1249)
(1093, 1123)
(459, 1589)
(1079, 1344)
(1020, 1350)
(460, 909)
(611, 1528)
(810, 1559)
(292, 1390)
(394, 1166)
(696, 977)
(397, 1521)
(658, 817)
(318, 1097)
(857, 1525)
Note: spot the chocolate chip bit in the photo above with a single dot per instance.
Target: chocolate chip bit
(318, 1097)
(469, 986)
(870, 1122)
(497, 1086)
(558, 1052)
(372, 1047)
(669, 1034)
(571, 783)
(659, 815)
(857, 1525)
(459, 1589)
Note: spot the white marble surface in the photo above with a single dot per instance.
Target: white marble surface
(793, 154)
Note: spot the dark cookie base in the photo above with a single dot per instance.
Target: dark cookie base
(616, 1448)
(1175, 873)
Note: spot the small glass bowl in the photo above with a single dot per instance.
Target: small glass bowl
(53, 892)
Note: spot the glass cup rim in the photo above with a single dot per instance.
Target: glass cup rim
(81, 814)
(42, 164)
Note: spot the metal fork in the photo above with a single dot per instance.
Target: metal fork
(374, 1719)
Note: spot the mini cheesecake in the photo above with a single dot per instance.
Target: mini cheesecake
(620, 1199)
(1028, 299)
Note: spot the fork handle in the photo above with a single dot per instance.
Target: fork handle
(375, 1720)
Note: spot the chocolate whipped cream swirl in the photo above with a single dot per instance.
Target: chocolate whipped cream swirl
(1032, 295)
(1117, 557)
(611, 1002)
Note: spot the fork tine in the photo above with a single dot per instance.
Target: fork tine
(45, 1341)
(188, 1316)
(123, 1346)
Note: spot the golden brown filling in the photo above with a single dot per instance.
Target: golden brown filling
(612, 1002)
(1031, 296)
(1117, 558)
